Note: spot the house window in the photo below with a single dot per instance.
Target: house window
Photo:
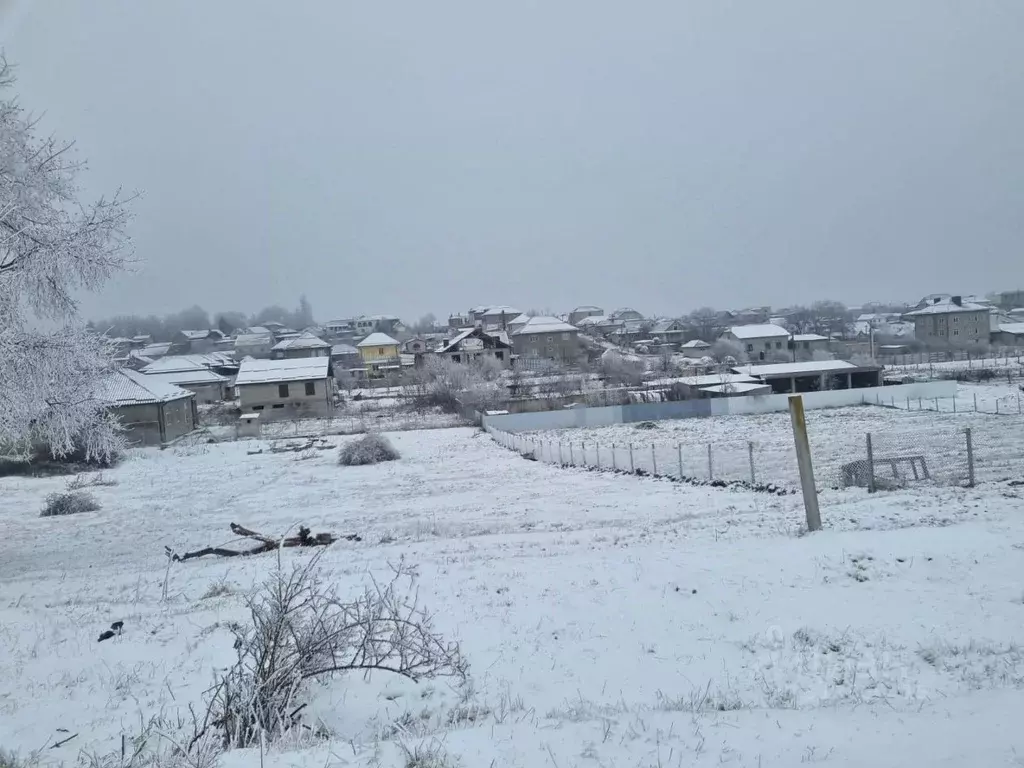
(533, 338)
(807, 345)
(278, 405)
(956, 318)
(499, 355)
(257, 407)
(750, 347)
(282, 390)
(310, 388)
(565, 336)
(380, 350)
(956, 331)
(456, 359)
(778, 345)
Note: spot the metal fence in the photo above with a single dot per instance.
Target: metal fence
(879, 460)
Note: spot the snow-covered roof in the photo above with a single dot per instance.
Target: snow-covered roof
(174, 363)
(204, 376)
(198, 335)
(717, 378)
(946, 307)
(695, 344)
(666, 324)
(257, 330)
(1012, 328)
(544, 324)
(588, 308)
(273, 371)
(796, 369)
(502, 309)
(758, 331)
(344, 349)
(301, 341)
(592, 320)
(156, 350)
(740, 386)
(521, 319)
(253, 339)
(377, 340)
(809, 337)
(499, 336)
(128, 387)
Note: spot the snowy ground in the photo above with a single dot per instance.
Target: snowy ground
(349, 421)
(837, 436)
(610, 620)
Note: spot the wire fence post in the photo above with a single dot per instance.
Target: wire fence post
(583, 453)
(871, 466)
(572, 459)
(936, 405)
(954, 405)
(632, 466)
(679, 452)
(615, 467)
(997, 405)
(711, 471)
(750, 452)
(908, 402)
(560, 459)
(920, 407)
(654, 461)
(599, 455)
(975, 402)
(970, 458)
(803, 458)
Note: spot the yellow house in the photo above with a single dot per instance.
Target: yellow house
(378, 351)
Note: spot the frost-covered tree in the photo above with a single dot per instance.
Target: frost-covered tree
(52, 244)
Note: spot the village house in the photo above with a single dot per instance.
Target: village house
(208, 386)
(625, 313)
(496, 317)
(669, 331)
(475, 345)
(548, 338)
(254, 342)
(345, 357)
(806, 344)
(302, 345)
(579, 314)
(289, 388)
(517, 322)
(762, 341)
(695, 348)
(1009, 335)
(951, 322)
(152, 412)
(196, 342)
(380, 353)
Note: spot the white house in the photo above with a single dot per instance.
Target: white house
(286, 389)
(760, 341)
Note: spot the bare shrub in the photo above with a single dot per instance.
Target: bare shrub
(301, 629)
(442, 383)
(12, 760)
(70, 503)
(372, 448)
(99, 480)
(431, 755)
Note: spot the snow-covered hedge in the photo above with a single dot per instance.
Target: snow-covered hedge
(70, 503)
(371, 448)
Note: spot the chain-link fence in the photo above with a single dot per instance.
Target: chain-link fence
(877, 460)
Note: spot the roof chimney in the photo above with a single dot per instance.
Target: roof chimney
(958, 300)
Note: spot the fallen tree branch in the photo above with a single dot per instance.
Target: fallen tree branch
(266, 543)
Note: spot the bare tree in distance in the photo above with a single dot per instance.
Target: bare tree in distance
(52, 244)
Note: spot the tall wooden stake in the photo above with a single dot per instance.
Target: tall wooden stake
(803, 460)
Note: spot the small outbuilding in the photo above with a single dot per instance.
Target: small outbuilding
(814, 376)
(153, 412)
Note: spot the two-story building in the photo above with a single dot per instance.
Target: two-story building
(951, 322)
(380, 353)
(761, 341)
(303, 345)
(548, 338)
(581, 313)
(475, 345)
(286, 389)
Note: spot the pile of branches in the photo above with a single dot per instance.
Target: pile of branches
(305, 538)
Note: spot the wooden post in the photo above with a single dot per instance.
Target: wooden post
(711, 471)
(572, 459)
(632, 466)
(654, 461)
(679, 452)
(871, 466)
(908, 403)
(970, 458)
(599, 455)
(803, 459)
(975, 402)
(560, 459)
(615, 466)
(936, 405)
(954, 405)
(750, 452)
(997, 405)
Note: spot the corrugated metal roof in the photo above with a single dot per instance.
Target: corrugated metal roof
(377, 340)
(302, 341)
(128, 387)
(176, 363)
(797, 369)
(273, 371)
(947, 307)
(204, 376)
(344, 349)
(759, 331)
(542, 324)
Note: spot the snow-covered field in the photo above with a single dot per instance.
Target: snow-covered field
(837, 436)
(609, 620)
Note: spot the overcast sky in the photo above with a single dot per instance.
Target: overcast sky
(404, 157)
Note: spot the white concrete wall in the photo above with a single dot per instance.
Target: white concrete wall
(721, 406)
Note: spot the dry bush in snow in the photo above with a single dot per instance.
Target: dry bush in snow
(427, 756)
(372, 448)
(12, 760)
(300, 628)
(70, 503)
